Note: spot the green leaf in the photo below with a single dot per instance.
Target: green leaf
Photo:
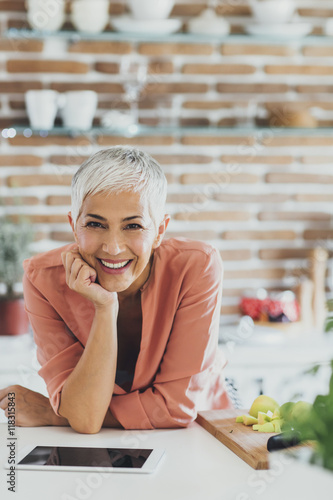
(329, 326)
(331, 385)
(319, 425)
(15, 239)
(312, 371)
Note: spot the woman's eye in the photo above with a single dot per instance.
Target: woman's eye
(94, 224)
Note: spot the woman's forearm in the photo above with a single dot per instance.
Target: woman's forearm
(87, 392)
(109, 420)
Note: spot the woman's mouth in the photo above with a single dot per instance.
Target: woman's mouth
(114, 268)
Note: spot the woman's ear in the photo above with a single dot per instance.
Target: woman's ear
(71, 221)
(161, 231)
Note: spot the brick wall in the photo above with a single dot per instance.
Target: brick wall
(262, 198)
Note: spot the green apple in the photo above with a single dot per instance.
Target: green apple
(296, 415)
(246, 420)
(296, 412)
(263, 418)
(249, 420)
(267, 427)
(285, 410)
(277, 425)
(264, 404)
(300, 412)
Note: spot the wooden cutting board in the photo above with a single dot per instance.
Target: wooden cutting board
(249, 445)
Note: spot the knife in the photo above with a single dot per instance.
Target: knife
(283, 440)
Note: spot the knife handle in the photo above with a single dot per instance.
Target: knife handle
(283, 440)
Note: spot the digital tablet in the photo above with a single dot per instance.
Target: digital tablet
(77, 458)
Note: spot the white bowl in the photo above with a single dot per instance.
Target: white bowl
(208, 23)
(279, 30)
(328, 29)
(90, 16)
(45, 16)
(150, 9)
(160, 27)
(272, 11)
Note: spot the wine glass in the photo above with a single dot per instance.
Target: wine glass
(134, 77)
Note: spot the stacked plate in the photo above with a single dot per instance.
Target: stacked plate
(128, 24)
(280, 30)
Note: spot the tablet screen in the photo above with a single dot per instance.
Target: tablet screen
(128, 458)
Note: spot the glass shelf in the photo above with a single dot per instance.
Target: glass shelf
(143, 130)
(74, 36)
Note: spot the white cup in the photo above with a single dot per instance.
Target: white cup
(151, 9)
(272, 11)
(328, 27)
(45, 15)
(42, 107)
(91, 16)
(78, 108)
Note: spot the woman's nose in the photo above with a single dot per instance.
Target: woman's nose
(113, 245)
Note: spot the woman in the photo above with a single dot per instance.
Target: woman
(126, 324)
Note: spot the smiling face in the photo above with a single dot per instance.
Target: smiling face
(116, 236)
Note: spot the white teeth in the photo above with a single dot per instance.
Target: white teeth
(114, 266)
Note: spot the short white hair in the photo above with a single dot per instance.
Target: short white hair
(118, 169)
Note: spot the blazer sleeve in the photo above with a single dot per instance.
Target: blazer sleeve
(188, 376)
(58, 350)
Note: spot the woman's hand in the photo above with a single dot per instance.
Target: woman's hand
(81, 278)
(28, 408)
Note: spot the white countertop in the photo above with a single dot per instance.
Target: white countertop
(195, 467)
(269, 347)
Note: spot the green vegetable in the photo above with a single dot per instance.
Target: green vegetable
(316, 423)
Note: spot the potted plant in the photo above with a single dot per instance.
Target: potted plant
(318, 426)
(312, 463)
(14, 248)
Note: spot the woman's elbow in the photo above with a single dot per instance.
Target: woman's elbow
(88, 424)
(85, 427)
(81, 425)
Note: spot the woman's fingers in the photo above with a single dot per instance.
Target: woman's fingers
(4, 398)
(86, 275)
(4, 394)
(75, 269)
(32, 409)
(81, 278)
(4, 403)
(78, 272)
(66, 258)
(69, 258)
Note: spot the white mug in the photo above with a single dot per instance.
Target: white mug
(272, 11)
(46, 15)
(91, 16)
(78, 108)
(150, 9)
(42, 107)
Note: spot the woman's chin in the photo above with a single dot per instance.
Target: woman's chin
(111, 285)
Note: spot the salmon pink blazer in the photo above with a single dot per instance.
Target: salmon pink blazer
(179, 369)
